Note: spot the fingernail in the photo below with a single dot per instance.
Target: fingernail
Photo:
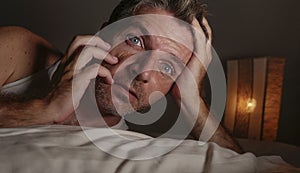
(108, 46)
(116, 59)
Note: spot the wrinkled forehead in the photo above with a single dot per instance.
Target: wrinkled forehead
(164, 26)
(150, 25)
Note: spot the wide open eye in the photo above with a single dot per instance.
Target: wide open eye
(166, 68)
(134, 40)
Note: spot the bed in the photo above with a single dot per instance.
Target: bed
(68, 149)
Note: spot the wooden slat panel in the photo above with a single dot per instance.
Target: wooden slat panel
(259, 80)
(273, 98)
(244, 93)
(232, 83)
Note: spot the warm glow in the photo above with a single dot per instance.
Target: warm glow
(251, 104)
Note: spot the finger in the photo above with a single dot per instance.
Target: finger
(93, 52)
(87, 40)
(90, 73)
(199, 33)
(87, 74)
(209, 49)
(105, 73)
(202, 47)
(81, 81)
(208, 29)
(196, 23)
(196, 67)
(209, 42)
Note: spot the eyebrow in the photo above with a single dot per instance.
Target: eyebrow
(178, 61)
(141, 27)
(145, 32)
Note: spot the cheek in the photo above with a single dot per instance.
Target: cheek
(122, 52)
(164, 84)
(162, 89)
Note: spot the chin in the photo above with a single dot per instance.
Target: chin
(107, 107)
(118, 106)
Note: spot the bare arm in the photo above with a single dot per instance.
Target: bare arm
(16, 113)
(221, 136)
(22, 53)
(57, 106)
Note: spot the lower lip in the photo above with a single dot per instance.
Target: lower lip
(117, 88)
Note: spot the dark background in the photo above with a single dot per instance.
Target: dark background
(246, 28)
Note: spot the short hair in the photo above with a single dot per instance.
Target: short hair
(185, 10)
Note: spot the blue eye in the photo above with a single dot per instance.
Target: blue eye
(135, 40)
(166, 68)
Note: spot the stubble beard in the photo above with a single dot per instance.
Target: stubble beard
(107, 107)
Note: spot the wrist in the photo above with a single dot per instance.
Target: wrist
(38, 109)
(203, 114)
(57, 108)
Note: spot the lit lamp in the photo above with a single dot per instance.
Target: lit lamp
(251, 104)
(254, 89)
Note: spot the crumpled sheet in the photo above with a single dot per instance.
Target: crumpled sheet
(67, 149)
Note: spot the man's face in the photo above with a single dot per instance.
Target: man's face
(149, 60)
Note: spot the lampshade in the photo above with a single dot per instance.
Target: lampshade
(254, 89)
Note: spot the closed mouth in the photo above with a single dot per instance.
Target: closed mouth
(131, 92)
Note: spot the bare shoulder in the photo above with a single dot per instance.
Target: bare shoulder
(23, 53)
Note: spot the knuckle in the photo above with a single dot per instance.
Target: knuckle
(77, 38)
(201, 35)
(208, 30)
(104, 71)
(95, 66)
(98, 39)
(88, 50)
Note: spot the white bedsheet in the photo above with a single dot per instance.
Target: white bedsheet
(66, 149)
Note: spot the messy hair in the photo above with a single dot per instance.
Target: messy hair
(185, 10)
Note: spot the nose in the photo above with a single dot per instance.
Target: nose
(142, 69)
(140, 72)
(144, 77)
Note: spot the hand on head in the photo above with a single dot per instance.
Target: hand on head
(192, 77)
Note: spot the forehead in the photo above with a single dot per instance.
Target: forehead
(165, 26)
(159, 21)
(164, 33)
